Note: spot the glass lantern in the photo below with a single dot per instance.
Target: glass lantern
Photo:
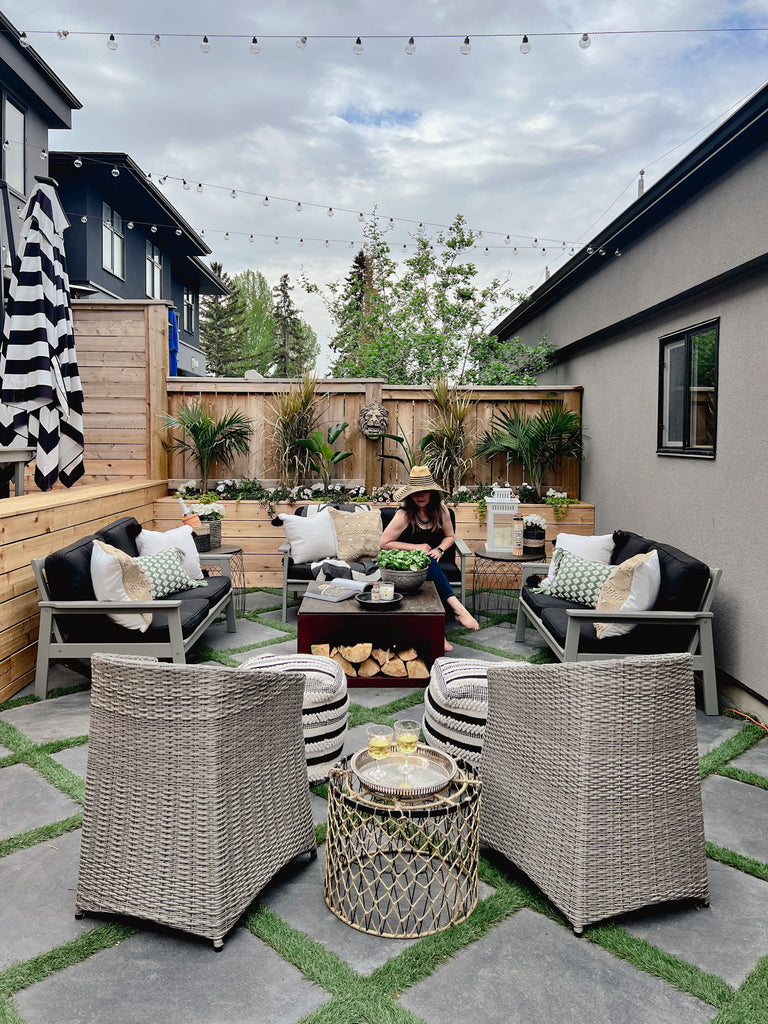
(502, 509)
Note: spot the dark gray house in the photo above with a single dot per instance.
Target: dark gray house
(126, 241)
(662, 318)
(32, 102)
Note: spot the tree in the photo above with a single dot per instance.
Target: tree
(296, 346)
(221, 326)
(257, 340)
(508, 362)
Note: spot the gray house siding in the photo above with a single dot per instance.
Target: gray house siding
(706, 260)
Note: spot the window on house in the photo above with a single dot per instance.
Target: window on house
(688, 392)
(13, 145)
(112, 241)
(154, 271)
(189, 311)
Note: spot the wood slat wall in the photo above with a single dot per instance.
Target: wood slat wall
(33, 526)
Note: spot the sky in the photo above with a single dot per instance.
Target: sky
(545, 147)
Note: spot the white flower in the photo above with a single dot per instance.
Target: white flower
(534, 520)
(552, 493)
(463, 488)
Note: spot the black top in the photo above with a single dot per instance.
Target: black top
(423, 535)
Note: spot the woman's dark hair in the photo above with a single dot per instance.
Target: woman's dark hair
(433, 512)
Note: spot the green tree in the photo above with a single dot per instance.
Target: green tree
(221, 327)
(257, 340)
(507, 362)
(296, 345)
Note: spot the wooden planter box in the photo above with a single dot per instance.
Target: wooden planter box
(248, 524)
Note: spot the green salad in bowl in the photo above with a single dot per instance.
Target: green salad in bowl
(401, 561)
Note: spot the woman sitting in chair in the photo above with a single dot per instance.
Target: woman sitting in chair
(423, 524)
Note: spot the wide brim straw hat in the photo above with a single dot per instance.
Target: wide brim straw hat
(420, 479)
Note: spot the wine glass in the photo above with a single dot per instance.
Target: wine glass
(379, 743)
(407, 738)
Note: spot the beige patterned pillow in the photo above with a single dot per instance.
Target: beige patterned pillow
(358, 534)
(632, 586)
(118, 577)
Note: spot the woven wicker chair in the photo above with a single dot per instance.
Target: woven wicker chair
(196, 791)
(591, 783)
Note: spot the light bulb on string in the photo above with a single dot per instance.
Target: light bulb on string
(361, 217)
(199, 187)
(617, 252)
(525, 46)
(205, 46)
(466, 46)
(6, 145)
(24, 40)
(301, 242)
(358, 46)
(226, 236)
(277, 240)
(115, 172)
(410, 46)
(83, 219)
(255, 45)
(514, 250)
(326, 243)
(391, 224)
(265, 201)
(298, 207)
(301, 43)
(329, 211)
(162, 181)
(43, 154)
(585, 42)
(77, 162)
(178, 232)
(154, 42)
(185, 185)
(250, 238)
(507, 240)
(233, 194)
(535, 242)
(153, 229)
(129, 225)
(202, 232)
(351, 245)
(111, 42)
(62, 33)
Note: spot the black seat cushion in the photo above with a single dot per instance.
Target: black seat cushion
(650, 639)
(101, 629)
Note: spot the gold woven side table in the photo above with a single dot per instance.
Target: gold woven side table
(401, 868)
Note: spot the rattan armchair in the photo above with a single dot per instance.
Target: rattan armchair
(196, 791)
(591, 783)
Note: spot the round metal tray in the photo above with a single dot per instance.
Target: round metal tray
(366, 601)
(432, 770)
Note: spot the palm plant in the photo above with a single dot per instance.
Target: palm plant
(325, 457)
(536, 443)
(448, 438)
(208, 439)
(295, 417)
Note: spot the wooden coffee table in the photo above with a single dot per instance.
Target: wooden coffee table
(418, 621)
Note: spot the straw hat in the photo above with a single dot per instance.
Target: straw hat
(419, 480)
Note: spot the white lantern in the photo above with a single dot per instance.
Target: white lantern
(502, 509)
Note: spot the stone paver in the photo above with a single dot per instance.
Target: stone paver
(736, 816)
(38, 887)
(319, 809)
(727, 938)
(56, 719)
(529, 970)
(286, 647)
(712, 730)
(755, 759)
(177, 980)
(469, 653)
(377, 696)
(502, 638)
(258, 600)
(74, 758)
(248, 632)
(27, 801)
(292, 615)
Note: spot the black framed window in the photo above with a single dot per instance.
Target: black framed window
(688, 392)
(14, 138)
(189, 311)
(112, 241)
(154, 271)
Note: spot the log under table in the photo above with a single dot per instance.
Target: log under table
(418, 621)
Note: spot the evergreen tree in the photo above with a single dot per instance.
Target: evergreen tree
(221, 327)
(296, 346)
(258, 339)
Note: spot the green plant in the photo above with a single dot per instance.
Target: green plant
(559, 501)
(403, 560)
(447, 439)
(536, 443)
(412, 457)
(208, 439)
(295, 415)
(327, 458)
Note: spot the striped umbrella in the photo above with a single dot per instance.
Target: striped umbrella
(40, 393)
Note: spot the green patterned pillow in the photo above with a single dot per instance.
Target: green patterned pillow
(165, 570)
(577, 579)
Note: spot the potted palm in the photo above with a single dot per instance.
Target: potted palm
(207, 439)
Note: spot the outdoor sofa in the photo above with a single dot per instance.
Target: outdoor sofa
(297, 574)
(680, 619)
(74, 624)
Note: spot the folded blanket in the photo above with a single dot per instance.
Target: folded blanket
(335, 569)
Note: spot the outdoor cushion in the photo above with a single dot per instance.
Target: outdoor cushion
(577, 579)
(596, 548)
(631, 586)
(122, 534)
(650, 639)
(456, 707)
(310, 537)
(118, 577)
(358, 534)
(149, 542)
(68, 572)
(165, 570)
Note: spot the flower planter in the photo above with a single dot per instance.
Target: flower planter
(533, 542)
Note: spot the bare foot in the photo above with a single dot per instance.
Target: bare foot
(448, 647)
(467, 620)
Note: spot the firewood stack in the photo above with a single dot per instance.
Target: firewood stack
(366, 660)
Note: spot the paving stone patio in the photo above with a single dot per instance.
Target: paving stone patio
(526, 968)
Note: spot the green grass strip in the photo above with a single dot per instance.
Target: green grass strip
(29, 972)
(69, 782)
(56, 746)
(748, 865)
(750, 1003)
(8, 1013)
(641, 954)
(740, 775)
(18, 702)
(730, 748)
(24, 840)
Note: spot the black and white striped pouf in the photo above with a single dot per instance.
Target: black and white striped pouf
(326, 704)
(456, 707)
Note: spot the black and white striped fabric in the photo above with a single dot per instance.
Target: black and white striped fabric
(456, 707)
(40, 392)
(325, 709)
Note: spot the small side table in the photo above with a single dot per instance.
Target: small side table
(397, 867)
(227, 560)
(496, 576)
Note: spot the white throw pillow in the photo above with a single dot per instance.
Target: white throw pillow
(594, 549)
(150, 542)
(632, 586)
(311, 538)
(118, 577)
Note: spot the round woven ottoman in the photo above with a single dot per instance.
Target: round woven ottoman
(456, 707)
(325, 708)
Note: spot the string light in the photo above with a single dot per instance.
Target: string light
(466, 46)
(111, 42)
(410, 47)
(585, 42)
(265, 201)
(115, 172)
(330, 211)
(525, 46)
(358, 46)
(24, 40)
(255, 46)
(277, 240)
(154, 42)
(298, 207)
(78, 162)
(178, 232)
(153, 229)
(199, 187)
(62, 33)
(301, 242)
(301, 43)
(43, 154)
(83, 219)
(130, 225)
(233, 194)
(185, 185)
(205, 46)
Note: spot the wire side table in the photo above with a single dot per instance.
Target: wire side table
(494, 579)
(227, 560)
(402, 868)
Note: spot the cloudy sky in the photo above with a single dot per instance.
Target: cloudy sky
(542, 146)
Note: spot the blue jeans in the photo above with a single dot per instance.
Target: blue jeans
(438, 577)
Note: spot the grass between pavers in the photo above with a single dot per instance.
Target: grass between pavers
(23, 840)
(715, 759)
(748, 865)
(740, 775)
(750, 1002)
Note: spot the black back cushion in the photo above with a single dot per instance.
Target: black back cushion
(683, 578)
